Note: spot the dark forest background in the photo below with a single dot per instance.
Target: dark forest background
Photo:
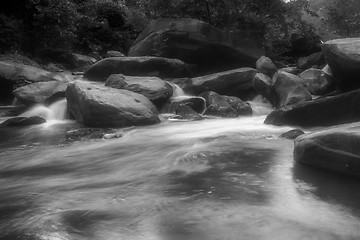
(87, 26)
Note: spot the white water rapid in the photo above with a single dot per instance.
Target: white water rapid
(57, 111)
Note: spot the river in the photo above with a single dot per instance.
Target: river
(216, 179)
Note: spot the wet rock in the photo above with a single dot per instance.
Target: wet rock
(75, 60)
(266, 66)
(97, 106)
(22, 121)
(326, 111)
(292, 134)
(41, 92)
(93, 133)
(342, 55)
(289, 89)
(196, 103)
(137, 66)
(155, 89)
(242, 108)
(336, 149)
(197, 42)
(314, 60)
(236, 82)
(216, 105)
(317, 82)
(186, 112)
(263, 86)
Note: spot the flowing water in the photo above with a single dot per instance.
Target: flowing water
(216, 179)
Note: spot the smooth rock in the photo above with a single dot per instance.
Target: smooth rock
(197, 42)
(22, 121)
(155, 89)
(314, 60)
(216, 105)
(326, 111)
(292, 134)
(97, 106)
(137, 66)
(317, 82)
(236, 82)
(289, 89)
(266, 66)
(41, 92)
(336, 149)
(186, 112)
(343, 57)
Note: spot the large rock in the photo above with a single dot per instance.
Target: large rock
(266, 66)
(13, 75)
(336, 149)
(216, 105)
(289, 89)
(97, 106)
(343, 57)
(325, 111)
(197, 42)
(155, 89)
(263, 86)
(41, 92)
(75, 60)
(236, 82)
(137, 66)
(317, 82)
(186, 112)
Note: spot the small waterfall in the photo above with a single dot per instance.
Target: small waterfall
(178, 91)
(260, 106)
(14, 102)
(55, 111)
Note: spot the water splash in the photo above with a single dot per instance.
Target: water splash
(55, 111)
(177, 91)
(260, 106)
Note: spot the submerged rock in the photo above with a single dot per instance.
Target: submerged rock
(198, 104)
(97, 106)
(22, 121)
(155, 89)
(343, 57)
(186, 112)
(137, 66)
(197, 42)
(336, 149)
(326, 111)
(93, 133)
(40, 92)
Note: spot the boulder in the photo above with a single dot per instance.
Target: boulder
(326, 111)
(137, 66)
(198, 104)
(343, 57)
(292, 134)
(155, 89)
(186, 112)
(97, 106)
(75, 60)
(336, 149)
(22, 121)
(14, 75)
(242, 108)
(314, 60)
(236, 82)
(41, 92)
(289, 89)
(114, 54)
(317, 82)
(263, 86)
(200, 43)
(216, 105)
(292, 70)
(266, 66)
